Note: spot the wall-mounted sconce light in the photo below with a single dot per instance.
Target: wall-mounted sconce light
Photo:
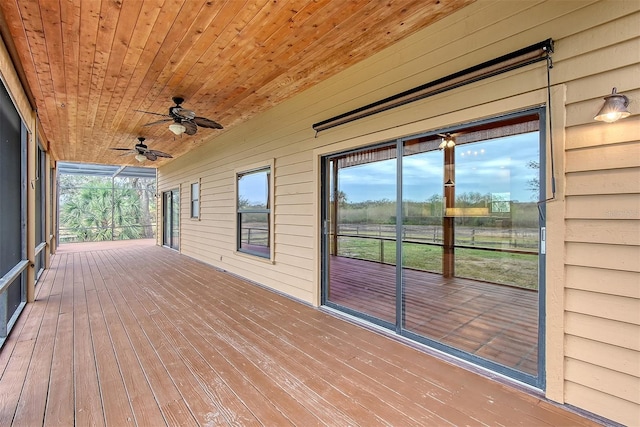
(614, 108)
(177, 128)
(448, 141)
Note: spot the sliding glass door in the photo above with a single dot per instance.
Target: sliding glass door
(361, 222)
(459, 210)
(171, 219)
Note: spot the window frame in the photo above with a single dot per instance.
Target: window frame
(269, 210)
(194, 204)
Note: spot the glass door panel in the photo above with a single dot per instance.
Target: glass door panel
(422, 237)
(166, 219)
(362, 230)
(171, 219)
(472, 208)
(496, 247)
(175, 219)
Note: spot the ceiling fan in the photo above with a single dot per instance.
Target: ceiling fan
(142, 152)
(184, 121)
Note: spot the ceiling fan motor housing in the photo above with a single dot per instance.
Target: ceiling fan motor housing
(141, 147)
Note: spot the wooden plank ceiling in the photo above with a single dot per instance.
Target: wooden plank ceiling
(89, 64)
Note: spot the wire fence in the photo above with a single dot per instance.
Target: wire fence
(481, 237)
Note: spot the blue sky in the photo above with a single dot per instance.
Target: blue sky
(493, 166)
(254, 187)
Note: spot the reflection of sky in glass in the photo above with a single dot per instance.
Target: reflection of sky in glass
(499, 166)
(493, 166)
(422, 174)
(371, 181)
(254, 187)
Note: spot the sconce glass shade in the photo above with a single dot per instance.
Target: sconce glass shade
(614, 108)
(177, 128)
(448, 141)
(141, 157)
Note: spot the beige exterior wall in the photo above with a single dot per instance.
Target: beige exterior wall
(593, 249)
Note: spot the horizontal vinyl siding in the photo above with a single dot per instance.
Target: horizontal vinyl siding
(605, 306)
(602, 220)
(593, 297)
(608, 181)
(609, 405)
(613, 282)
(607, 381)
(610, 231)
(615, 358)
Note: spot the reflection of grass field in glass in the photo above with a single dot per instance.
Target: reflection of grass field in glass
(496, 267)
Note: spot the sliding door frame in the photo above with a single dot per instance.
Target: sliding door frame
(327, 176)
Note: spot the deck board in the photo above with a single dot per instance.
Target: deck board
(88, 404)
(145, 336)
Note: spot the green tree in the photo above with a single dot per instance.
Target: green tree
(93, 212)
(146, 189)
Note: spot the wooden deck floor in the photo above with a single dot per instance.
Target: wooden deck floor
(140, 335)
(495, 322)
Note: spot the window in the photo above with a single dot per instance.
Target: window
(254, 212)
(195, 200)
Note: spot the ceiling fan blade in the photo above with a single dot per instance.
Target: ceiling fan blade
(207, 123)
(190, 127)
(150, 156)
(149, 112)
(158, 122)
(160, 154)
(127, 151)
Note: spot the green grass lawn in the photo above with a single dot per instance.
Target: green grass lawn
(496, 267)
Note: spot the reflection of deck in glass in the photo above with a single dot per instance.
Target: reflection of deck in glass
(495, 322)
(255, 240)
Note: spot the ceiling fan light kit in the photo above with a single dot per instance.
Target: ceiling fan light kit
(184, 121)
(177, 128)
